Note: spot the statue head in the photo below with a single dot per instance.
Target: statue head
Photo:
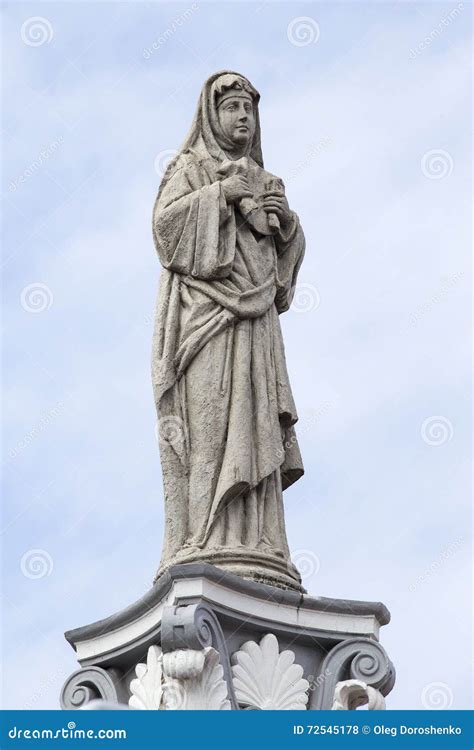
(226, 124)
(235, 101)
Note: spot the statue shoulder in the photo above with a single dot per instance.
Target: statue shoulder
(192, 166)
(186, 173)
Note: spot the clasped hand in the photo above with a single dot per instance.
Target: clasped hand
(276, 203)
(237, 187)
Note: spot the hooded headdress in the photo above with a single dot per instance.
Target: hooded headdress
(206, 138)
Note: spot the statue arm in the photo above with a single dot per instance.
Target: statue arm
(287, 233)
(290, 245)
(193, 229)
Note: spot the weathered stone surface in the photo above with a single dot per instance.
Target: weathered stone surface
(203, 632)
(350, 694)
(231, 250)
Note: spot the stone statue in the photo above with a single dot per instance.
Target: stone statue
(231, 249)
(203, 637)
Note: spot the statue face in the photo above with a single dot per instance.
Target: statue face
(237, 119)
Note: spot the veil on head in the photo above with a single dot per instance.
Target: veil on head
(205, 136)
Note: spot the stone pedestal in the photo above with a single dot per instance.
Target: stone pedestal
(202, 638)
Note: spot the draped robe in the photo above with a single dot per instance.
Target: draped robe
(225, 407)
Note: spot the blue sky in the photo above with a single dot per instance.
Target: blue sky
(365, 115)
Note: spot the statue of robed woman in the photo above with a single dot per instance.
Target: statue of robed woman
(230, 249)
